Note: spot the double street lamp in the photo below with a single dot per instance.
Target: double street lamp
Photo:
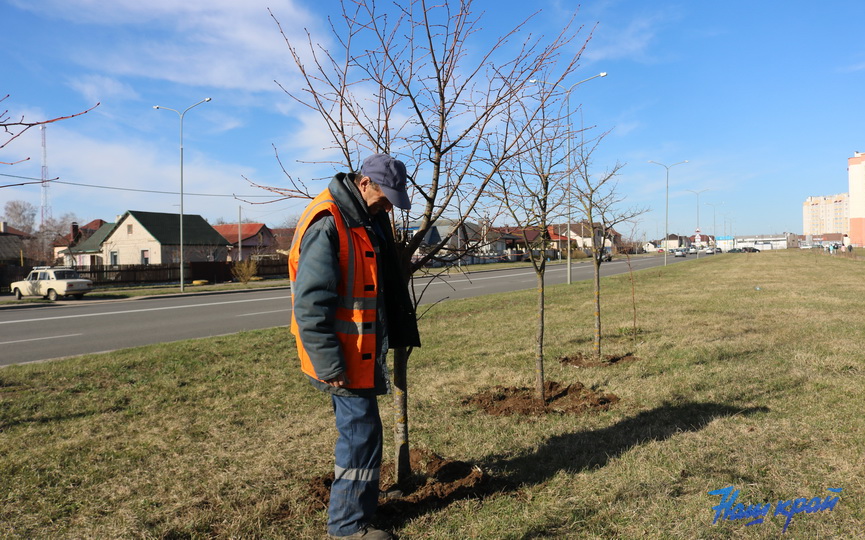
(714, 223)
(570, 130)
(181, 114)
(697, 193)
(667, 211)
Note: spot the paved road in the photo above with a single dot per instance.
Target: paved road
(46, 331)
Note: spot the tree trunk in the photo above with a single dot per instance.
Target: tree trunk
(539, 351)
(400, 426)
(597, 284)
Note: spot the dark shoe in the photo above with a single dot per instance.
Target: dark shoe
(367, 532)
(392, 494)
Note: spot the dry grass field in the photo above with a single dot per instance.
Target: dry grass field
(749, 373)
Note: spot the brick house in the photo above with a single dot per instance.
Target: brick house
(154, 238)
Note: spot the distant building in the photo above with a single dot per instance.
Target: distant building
(253, 238)
(826, 215)
(76, 235)
(154, 238)
(87, 253)
(856, 180)
(765, 242)
(842, 214)
(283, 237)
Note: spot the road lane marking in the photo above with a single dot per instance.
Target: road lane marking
(262, 313)
(443, 281)
(39, 339)
(112, 313)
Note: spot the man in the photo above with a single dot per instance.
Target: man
(350, 304)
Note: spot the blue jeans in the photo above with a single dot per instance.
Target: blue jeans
(354, 493)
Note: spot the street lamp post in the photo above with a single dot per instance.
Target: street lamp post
(714, 223)
(181, 114)
(568, 105)
(697, 193)
(667, 211)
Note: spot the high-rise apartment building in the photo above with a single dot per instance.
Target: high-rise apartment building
(856, 179)
(826, 215)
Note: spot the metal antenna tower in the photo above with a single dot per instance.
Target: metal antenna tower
(46, 208)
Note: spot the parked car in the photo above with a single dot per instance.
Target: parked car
(709, 251)
(734, 250)
(692, 250)
(750, 250)
(52, 283)
(679, 253)
(718, 250)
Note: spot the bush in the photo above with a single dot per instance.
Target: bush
(244, 271)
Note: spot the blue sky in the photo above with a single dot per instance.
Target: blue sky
(760, 97)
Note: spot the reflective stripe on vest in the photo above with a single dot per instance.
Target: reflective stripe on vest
(357, 290)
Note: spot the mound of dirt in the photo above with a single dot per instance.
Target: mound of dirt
(581, 360)
(435, 482)
(574, 398)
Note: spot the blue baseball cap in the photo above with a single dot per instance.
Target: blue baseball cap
(390, 174)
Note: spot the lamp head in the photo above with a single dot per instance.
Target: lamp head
(206, 99)
(603, 74)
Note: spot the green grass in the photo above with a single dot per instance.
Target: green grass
(758, 389)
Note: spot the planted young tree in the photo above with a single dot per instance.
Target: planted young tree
(633, 248)
(601, 205)
(531, 190)
(412, 80)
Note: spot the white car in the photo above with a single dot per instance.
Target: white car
(679, 253)
(709, 251)
(52, 283)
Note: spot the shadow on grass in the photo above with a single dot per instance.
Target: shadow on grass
(575, 452)
(572, 452)
(5, 425)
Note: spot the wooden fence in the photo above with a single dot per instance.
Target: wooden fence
(271, 267)
(213, 272)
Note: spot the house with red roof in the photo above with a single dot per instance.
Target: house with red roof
(247, 239)
(75, 236)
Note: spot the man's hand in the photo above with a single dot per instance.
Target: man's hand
(339, 381)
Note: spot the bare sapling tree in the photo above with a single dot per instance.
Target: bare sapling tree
(601, 205)
(412, 79)
(531, 191)
(12, 129)
(633, 248)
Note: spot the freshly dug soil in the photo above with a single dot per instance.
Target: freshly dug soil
(574, 398)
(435, 483)
(582, 360)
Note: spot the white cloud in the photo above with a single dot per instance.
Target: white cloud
(97, 88)
(217, 43)
(631, 41)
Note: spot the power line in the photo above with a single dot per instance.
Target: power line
(78, 184)
(21, 177)
(160, 192)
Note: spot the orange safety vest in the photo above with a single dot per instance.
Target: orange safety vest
(357, 293)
